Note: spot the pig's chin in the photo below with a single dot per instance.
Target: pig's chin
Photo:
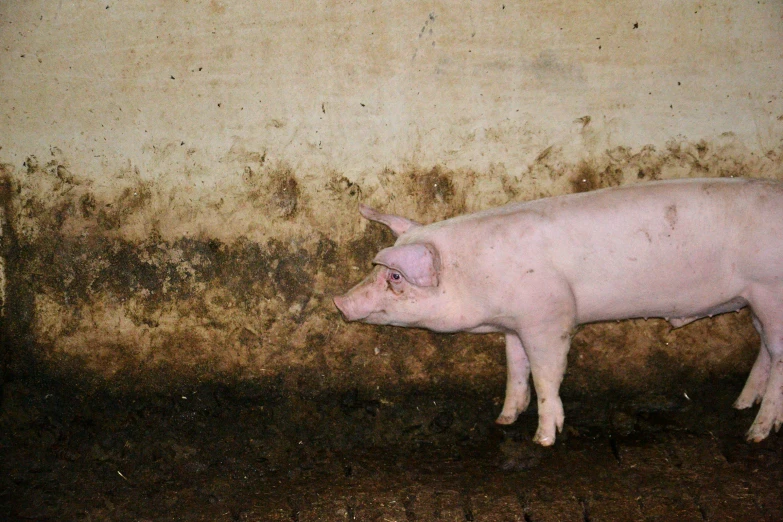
(383, 318)
(379, 318)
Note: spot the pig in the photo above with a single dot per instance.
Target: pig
(681, 250)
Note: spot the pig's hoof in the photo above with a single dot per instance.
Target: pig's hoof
(757, 433)
(505, 419)
(514, 404)
(741, 403)
(546, 435)
(760, 430)
(750, 396)
(544, 440)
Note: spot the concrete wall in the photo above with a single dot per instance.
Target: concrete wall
(181, 178)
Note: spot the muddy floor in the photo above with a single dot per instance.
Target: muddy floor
(260, 451)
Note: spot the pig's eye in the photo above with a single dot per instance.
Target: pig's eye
(393, 277)
(394, 280)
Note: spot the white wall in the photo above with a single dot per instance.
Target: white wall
(364, 85)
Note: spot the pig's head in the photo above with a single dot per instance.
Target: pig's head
(402, 287)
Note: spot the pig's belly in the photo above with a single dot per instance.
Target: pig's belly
(684, 286)
(733, 305)
(678, 311)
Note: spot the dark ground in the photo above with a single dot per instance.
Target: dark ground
(252, 451)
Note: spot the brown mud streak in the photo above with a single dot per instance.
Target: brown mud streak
(587, 178)
(434, 190)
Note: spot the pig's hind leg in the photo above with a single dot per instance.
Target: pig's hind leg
(768, 308)
(756, 384)
(517, 381)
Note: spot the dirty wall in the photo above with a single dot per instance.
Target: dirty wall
(180, 179)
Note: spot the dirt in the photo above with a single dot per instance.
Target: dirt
(273, 451)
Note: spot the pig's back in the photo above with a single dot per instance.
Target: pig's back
(660, 249)
(669, 249)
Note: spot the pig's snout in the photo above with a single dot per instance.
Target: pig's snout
(361, 301)
(344, 305)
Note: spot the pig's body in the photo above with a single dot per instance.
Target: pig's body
(681, 250)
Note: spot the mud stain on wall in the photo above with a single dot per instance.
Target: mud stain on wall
(102, 283)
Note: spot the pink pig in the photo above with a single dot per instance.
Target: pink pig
(681, 250)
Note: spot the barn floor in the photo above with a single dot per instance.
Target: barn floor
(253, 451)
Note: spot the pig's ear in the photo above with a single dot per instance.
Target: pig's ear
(418, 263)
(398, 225)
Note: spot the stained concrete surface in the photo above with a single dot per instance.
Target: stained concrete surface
(179, 184)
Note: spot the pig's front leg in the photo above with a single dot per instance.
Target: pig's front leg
(547, 351)
(517, 381)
